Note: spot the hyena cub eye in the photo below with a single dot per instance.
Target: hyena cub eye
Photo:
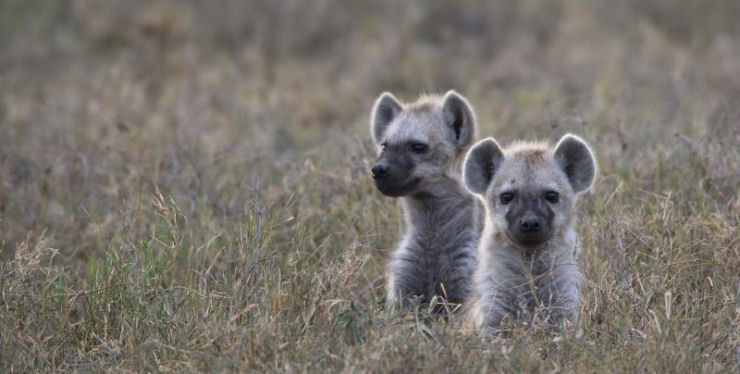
(507, 197)
(552, 196)
(419, 148)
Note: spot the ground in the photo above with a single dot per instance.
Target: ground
(184, 185)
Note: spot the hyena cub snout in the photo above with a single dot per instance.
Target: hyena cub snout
(393, 172)
(528, 249)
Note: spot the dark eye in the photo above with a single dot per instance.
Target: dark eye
(507, 197)
(419, 148)
(383, 146)
(552, 196)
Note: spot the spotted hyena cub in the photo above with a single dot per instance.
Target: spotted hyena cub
(527, 253)
(421, 147)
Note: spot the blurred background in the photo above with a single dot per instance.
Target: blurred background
(101, 98)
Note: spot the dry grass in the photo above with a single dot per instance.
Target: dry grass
(183, 187)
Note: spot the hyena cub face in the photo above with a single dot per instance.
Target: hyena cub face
(529, 188)
(419, 142)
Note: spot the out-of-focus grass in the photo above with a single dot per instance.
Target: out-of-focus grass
(183, 185)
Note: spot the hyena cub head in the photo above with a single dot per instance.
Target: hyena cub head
(530, 188)
(419, 142)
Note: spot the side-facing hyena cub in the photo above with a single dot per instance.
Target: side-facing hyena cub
(527, 253)
(421, 147)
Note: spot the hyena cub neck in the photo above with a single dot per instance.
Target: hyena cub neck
(527, 254)
(421, 146)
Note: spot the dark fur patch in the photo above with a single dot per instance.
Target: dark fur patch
(530, 204)
(401, 166)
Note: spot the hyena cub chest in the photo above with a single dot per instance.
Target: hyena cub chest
(437, 259)
(420, 148)
(415, 273)
(518, 284)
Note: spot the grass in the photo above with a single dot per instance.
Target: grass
(184, 188)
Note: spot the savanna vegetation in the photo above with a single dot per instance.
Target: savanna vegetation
(184, 185)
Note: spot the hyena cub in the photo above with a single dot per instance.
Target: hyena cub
(421, 147)
(527, 253)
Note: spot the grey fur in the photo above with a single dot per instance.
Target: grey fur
(577, 161)
(386, 108)
(480, 166)
(459, 116)
(436, 255)
(515, 281)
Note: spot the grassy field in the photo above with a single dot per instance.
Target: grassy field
(184, 185)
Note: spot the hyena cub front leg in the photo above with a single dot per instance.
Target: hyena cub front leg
(420, 147)
(527, 252)
(560, 293)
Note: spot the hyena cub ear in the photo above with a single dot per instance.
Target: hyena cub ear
(575, 158)
(386, 108)
(460, 117)
(481, 164)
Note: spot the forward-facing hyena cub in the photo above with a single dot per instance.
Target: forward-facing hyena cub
(527, 253)
(421, 147)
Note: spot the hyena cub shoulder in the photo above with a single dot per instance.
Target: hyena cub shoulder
(421, 146)
(527, 253)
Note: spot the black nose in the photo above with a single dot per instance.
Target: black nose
(530, 224)
(380, 171)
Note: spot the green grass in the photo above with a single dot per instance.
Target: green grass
(185, 188)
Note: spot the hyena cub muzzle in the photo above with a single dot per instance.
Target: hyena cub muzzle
(392, 172)
(421, 145)
(530, 217)
(527, 254)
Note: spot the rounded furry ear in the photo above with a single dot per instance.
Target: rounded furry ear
(385, 109)
(577, 161)
(481, 164)
(459, 115)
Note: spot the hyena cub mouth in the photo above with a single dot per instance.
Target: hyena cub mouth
(391, 189)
